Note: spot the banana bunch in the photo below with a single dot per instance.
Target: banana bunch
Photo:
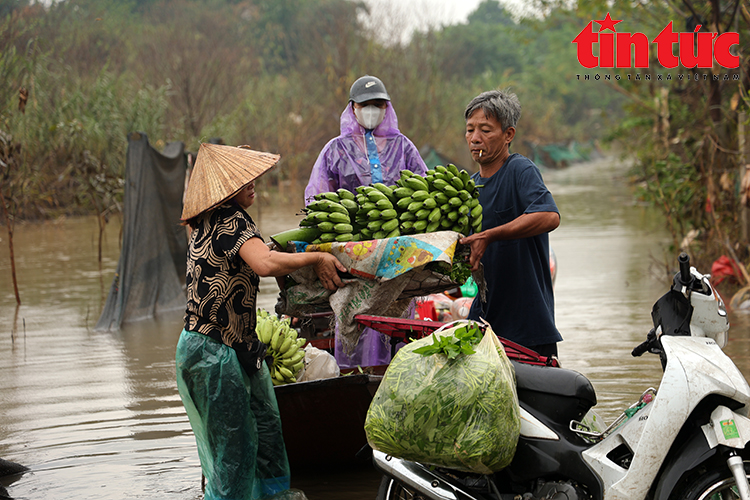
(446, 199)
(331, 213)
(376, 216)
(283, 346)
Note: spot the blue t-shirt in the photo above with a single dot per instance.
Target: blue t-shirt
(520, 302)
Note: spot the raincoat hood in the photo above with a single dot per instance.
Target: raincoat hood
(387, 128)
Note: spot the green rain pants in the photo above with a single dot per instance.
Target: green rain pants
(235, 419)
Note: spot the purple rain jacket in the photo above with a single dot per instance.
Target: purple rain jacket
(343, 162)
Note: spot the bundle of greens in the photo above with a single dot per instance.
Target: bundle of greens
(448, 401)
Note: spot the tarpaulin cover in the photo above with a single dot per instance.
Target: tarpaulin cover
(458, 413)
(150, 275)
(235, 419)
(388, 273)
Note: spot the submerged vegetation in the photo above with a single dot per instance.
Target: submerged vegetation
(274, 74)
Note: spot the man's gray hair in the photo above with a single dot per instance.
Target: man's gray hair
(502, 105)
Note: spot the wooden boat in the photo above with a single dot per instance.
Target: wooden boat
(323, 420)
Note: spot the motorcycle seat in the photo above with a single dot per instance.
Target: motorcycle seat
(546, 388)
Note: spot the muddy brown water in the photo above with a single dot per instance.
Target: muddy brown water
(97, 415)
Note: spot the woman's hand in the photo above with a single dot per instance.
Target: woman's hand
(327, 267)
(267, 262)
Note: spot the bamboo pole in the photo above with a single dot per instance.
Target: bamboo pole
(10, 244)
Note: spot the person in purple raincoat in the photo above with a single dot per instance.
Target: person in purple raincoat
(369, 149)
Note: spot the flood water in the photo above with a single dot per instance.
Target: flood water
(97, 415)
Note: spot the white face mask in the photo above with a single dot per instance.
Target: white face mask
(369, 116)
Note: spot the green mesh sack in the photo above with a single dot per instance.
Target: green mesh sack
(459, 413)
(235, 419)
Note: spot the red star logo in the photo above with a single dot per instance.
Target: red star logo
(607, 23)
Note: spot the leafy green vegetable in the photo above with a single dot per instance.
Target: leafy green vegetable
(450, 401)
(461, 341)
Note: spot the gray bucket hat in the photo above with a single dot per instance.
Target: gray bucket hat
(368, 88)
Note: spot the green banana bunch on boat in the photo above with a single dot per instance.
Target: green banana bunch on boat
(329, 217)
(377, 217)
(446, 199)
(283, 346)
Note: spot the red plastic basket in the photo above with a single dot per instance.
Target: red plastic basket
(413, 329)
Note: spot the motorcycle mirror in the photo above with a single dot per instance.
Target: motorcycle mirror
(684, 276)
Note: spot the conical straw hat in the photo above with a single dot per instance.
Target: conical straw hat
(220, 172)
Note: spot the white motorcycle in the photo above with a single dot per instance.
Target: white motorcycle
(685, 441)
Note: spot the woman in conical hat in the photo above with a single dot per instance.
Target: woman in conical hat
(223, 382)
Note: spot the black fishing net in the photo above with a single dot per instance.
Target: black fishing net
(150, 276)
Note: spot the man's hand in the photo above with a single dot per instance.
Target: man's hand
(478, 243)
(327, 267)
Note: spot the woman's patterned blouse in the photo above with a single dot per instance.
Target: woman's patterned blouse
(221, 288)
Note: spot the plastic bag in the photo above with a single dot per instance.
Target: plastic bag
(460, 307)
(319, 364)
(235, 419)
(458, 413)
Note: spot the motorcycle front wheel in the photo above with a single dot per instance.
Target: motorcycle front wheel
(716, 483)
(390, 489)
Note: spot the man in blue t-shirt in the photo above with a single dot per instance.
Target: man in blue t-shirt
(518, 212)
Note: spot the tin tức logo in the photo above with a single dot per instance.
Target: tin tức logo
(694, 49)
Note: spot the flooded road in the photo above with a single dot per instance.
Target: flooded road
(97, 415)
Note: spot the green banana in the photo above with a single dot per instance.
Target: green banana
(432, 227)
(389, 226)
(386, 190)
(420, 195)
(403, 203)
(350, 205)
(403, 192)
(423, 213)
(429, 203)
(440, 184)
(342, 228)
(384, 204)
(450, 191)
(388, 214)
(434, 216)
(415, 206)
(345, 194)
(373, 214)
(337, 217)
(417, 183)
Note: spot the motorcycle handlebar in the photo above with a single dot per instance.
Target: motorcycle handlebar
(640, 349)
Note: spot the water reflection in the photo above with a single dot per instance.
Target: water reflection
(97, 415)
